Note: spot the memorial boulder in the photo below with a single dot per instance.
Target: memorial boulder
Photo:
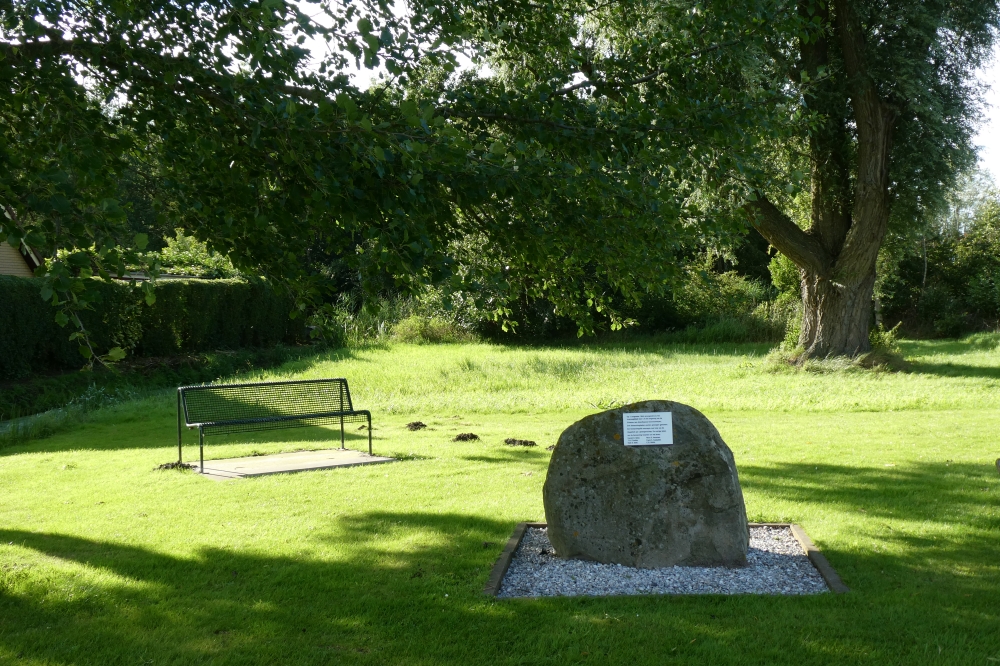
(647, 485)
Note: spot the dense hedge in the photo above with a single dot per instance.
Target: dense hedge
(134, 376)
(29, 337)
(188, 316)
(201, 315)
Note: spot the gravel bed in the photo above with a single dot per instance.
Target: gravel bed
(776, 564)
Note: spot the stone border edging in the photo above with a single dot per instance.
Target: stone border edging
(503, 562)
(812, 552)
(817, 558)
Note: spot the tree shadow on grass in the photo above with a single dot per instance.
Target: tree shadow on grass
(270, 442)
(924, 522)
(376, 601)
(160, 431)
(954, 370)
(917, 353)
(329, 435)
(47, 431)
(971, 345)
(270, 609)
(510, 456)
(925, 491)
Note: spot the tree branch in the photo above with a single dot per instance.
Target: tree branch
(802, 248)
(448, 113)
(36, 49)
(616, 85)
(875, 120)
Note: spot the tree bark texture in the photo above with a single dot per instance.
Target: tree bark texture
(836, 318)
(851, 201)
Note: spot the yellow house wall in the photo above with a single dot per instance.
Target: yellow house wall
(11, 262)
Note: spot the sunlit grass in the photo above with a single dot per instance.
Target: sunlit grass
(104, 560)
(485, 379)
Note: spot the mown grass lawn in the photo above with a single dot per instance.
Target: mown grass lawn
(105, 561)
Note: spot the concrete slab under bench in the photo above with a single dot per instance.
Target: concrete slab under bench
(284, 463)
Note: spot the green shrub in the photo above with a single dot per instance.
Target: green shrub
(352, 322)
(186, 255)
(427, 318)
(885, 352)
(705, 296)
(727, 307)
(730, 329)
(785, 275)
(422, 329)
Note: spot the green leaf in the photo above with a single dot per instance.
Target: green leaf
(141, 241)
(364, 26)
(345, 102)
(61, 318)
(116, 354)
(409, 108)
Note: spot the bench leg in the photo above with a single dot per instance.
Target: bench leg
(180, 457)
(341, 432)
(201, 448)
(369, 434)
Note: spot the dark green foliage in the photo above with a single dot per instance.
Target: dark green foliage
(785, 275)
(188, 316)
(949, 282)
(703, 306)
(96, 388)
(198, 315)
(273, 162)
(536, 320)
(29, 337)
(748, 255)
(600, 142)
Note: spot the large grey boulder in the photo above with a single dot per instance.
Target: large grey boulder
(646, 506)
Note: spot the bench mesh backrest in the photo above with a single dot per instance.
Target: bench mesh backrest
(250, 403)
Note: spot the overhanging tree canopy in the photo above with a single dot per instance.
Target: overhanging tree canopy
(832, 119)
(268, 155)
(601, 137)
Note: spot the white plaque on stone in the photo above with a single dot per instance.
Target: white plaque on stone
(648, 428)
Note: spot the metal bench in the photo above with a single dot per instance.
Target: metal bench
(230, 408)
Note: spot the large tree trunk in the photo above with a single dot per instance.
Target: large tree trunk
(835, 317)
(836, 255)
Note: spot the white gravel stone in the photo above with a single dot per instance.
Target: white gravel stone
(776, 564)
